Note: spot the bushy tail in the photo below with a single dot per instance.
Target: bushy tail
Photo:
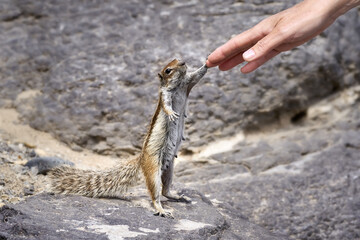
(112, 183)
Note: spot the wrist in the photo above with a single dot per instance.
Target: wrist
(336, 8)
(333, 8)
(343, 6)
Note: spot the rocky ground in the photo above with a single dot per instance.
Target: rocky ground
(298, 181)
(16, 181)
(301, 180)
(270, 155)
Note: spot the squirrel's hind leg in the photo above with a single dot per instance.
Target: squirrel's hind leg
(166, 178)
(153, 183)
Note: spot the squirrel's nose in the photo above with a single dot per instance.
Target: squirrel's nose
(181, 63)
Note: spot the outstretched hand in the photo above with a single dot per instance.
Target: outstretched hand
(280, 32)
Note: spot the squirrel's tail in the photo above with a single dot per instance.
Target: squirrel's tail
(112, 183)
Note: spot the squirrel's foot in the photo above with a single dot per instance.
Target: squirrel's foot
(177, 198)
(173, 116)
(164, 214)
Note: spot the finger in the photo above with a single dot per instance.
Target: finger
(234, 46)
(232, 62)
(264, 46)
(251, 66)
(209, 64)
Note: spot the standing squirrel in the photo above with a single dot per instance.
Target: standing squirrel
(160, 147)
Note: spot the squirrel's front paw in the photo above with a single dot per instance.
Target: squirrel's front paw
(173, 115)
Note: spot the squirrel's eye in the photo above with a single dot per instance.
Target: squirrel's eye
(168, 70)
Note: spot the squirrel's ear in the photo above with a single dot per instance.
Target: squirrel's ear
(161, 79)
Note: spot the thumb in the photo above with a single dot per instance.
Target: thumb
(264, 46)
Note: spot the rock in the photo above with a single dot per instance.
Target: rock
(14, 200)
(319, 187)
(300, 181)
(295, 182)
(97, 75)
(4, 197)
(43, 164)
(76, 216)
(16, 182)
(29, 190)
(32, 154)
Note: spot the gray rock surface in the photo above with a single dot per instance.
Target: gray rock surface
(302, 181)
(95, 64)
(86, 218)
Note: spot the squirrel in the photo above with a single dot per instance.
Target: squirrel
(160, 147)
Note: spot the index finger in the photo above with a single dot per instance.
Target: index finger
(234, 46)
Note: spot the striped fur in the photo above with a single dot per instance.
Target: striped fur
(111, 183)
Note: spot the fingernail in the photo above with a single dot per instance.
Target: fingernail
(208, 64)
(249, 54)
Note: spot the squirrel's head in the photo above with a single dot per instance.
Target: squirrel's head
(172, 74)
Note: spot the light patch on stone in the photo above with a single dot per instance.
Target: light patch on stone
(220, 146)
(215, 201)
(229, 178)
(111, 211)
(282, 169)
(74, 222)
(294, 167)
(263, 203)
(189, 225)
(147, 230)
(116, 232)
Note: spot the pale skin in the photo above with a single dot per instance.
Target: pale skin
(278, 33)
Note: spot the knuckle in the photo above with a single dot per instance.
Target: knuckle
(261, 46)
(283, 32)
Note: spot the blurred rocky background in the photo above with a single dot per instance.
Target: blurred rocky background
(272, 154)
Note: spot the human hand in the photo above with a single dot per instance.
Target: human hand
(280, 32)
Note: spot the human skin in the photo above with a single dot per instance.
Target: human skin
(278, 33)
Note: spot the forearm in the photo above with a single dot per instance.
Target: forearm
(166, 101)
(346, 5)
(195, 77)
(278, 33)
(334, 8)
(166, 98)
